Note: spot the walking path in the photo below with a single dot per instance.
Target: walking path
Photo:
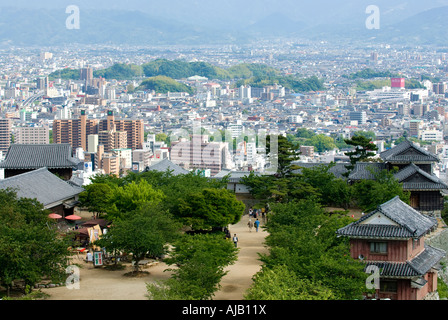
(239, 277)
(100, 284)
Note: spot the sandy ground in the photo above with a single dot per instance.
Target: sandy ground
(101, 284)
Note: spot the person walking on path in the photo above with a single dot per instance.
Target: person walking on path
(235, 240)
(257, 224)
(250, 225)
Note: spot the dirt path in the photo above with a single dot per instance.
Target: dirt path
(101, 284)
(239, 277)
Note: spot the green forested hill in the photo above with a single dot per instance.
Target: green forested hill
(163, 84)
(254, 74)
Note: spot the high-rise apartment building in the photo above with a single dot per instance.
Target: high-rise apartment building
(86, 74)
(133, 128)
(5, 134)
(359, 116)
(32, 135)
(76, 131)
(414, 127)
(113, 139)
(92, 143)
(42, 83)
(199, 153)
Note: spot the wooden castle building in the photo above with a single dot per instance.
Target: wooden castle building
(392, 239)
(414, 167)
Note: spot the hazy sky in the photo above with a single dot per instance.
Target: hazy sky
(219, 12)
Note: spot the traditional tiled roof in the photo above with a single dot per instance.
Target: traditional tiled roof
(233, 176)
(165, 165)
(407, 151)
(366, 170)
(42, 185)
(33, 156)
(422, 181)
(338, 169)
(409, 223)
(416, 267)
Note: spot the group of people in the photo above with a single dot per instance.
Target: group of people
(253, 213)
(255, 224)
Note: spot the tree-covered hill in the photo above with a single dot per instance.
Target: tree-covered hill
(253, 74)
(163, 84)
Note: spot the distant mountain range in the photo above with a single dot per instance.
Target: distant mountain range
(41, 27)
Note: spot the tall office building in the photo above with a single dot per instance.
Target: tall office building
(5, 134)
(42, 83)
(86, 73)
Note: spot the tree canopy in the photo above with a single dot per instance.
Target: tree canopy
(144, 233)
(210, 208)
(200, 262)
(30, 246)
(302, 238)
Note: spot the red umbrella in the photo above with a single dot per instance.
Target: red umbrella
(72, 217)
(54, 216)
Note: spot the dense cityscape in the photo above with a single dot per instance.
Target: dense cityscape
(282, 168)
(36, 100)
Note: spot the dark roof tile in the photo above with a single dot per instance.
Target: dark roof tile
(42, 185)
(33, 156)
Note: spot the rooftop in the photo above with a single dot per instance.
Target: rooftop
(407, 151)
(32, 156)
(401, 222)
(42, 185)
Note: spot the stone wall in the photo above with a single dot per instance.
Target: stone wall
(439, 239)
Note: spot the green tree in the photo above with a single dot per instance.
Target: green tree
(133, 196)
(120, 71)
(145, 233)
(281, 283)
(284, 184)
(363, 151)
(321, 143)
(333, 191)
(175, 187)
(369, 194)
(304, 133)
(282, 153)
(269, 188)
(97, 197)
(30, 246)
(161, 137)
(302, 237)
(210, 208)
(367, 134)
(200, 262)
